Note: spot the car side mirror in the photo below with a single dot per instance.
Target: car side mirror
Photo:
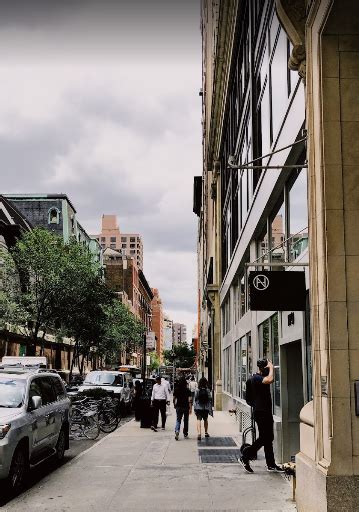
(35, 402)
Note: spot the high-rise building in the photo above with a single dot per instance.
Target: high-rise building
(168, 333)
(129, 244)
(157, 322)
(179, 333)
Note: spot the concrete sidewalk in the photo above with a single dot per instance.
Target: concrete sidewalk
(136, 469)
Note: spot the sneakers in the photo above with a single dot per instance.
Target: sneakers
(206, 434)
(176, 435)
(163, 428)
(154, 429)
(199, 437)
(246, 465)
(275, 468)
(185, 436)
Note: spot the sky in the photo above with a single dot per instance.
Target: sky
(99, 100)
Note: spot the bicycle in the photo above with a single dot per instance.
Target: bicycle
(84, 421)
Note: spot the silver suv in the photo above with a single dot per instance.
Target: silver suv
(34, 422)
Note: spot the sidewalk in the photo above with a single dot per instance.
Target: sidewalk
(136, 469)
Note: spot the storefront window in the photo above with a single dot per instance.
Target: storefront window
(227, 374)
(269, 349)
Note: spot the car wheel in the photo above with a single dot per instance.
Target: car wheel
(18, 469)
(61, 446)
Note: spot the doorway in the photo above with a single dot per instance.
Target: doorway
(293, 397)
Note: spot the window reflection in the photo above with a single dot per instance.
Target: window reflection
(279, 81)
(298, 218)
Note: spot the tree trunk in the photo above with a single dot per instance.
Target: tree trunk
(74, 354)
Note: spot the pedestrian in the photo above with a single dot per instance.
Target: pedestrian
(164, 381)
(182, 402)
(258, 387)
(203, 406)
(193, 386)
(137, 399)
(160, 398)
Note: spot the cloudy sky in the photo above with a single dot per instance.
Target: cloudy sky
(99, 100)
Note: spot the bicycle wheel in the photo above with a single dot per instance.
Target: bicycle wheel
(90, 426)
(108, 421)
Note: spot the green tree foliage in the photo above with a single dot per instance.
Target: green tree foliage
(154, 361)
(50, 286)
(182, 355)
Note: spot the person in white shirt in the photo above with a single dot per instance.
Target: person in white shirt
(166, 383)
(159, 399)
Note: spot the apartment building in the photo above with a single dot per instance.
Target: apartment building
(179, 333)
(129, 244)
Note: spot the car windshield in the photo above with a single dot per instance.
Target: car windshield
(104, 379)
(12, 392)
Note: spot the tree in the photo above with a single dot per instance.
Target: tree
(154, 361)
(53, 277)
(182, 355)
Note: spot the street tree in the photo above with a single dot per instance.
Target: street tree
(181, 355)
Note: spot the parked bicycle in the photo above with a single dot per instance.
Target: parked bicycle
(84, 421)
(92, 416)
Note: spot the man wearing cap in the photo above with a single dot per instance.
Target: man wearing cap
(262, 412)
(160, 398)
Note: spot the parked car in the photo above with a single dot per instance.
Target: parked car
(34, 422)
(118, 383)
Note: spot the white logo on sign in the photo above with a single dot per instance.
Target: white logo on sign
(261, 282)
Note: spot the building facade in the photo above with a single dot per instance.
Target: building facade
(252, 215)
(168, 333)
(284, 77)
(179, 333)
(158, 322)
(56, 213)
(129, 244)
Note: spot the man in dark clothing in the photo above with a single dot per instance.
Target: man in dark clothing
(262, 413)
(182, 400)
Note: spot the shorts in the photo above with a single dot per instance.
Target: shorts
(202, 415)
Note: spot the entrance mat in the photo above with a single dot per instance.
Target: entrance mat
(219, 459)
(220, 451)
(217, 441)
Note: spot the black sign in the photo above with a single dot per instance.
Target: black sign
(277, 291)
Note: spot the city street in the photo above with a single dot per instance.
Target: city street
(136, 469)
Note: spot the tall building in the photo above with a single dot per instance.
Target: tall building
(179, 333)
(168, 333)
(129, 244)
(283, 76)
(158, 322)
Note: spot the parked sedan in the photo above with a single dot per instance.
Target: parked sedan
(118, 383)
(34, 422)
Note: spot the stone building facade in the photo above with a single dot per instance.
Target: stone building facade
(158, 322)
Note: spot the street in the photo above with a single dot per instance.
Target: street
(136, 469)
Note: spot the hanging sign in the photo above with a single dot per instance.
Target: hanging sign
(150, 340)
(277, 290)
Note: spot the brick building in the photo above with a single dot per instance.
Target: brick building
(158, 322)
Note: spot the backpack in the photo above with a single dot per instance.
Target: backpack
(249, 394)
(203, 397)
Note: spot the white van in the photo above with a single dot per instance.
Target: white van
(120, 383)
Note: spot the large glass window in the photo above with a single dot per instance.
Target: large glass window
(298, 216)
(278, 237)
(243, 364)
(227, 374)
(279, 81)
(269, 348)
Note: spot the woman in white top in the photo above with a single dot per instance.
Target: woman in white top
(193, 387)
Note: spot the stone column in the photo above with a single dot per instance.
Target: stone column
(328, 462)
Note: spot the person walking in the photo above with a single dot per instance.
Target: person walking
(137, 399)
(193, 386)
(203, 406)
(261, 402)
(159, 399)
(182, 402)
